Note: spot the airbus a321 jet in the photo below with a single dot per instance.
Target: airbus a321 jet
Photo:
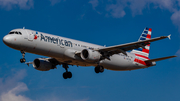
(64, 51)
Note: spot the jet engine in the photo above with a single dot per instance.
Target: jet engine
(90, 55)
(42, 64)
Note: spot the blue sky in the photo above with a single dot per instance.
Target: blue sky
(103, 22)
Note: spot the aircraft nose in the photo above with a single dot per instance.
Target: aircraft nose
(7, 39)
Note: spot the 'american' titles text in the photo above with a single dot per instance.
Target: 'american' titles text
(56, 41)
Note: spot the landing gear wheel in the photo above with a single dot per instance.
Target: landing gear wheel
(23, 60)
(67, 75)
(99, 69)
(96, 69)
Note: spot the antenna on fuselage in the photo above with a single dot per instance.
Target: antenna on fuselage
(23, 27)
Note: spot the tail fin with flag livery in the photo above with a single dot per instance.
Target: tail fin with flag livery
(143, 53)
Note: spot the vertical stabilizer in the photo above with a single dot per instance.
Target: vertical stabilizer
(143, 54)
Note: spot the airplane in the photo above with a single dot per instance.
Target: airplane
(65, 51)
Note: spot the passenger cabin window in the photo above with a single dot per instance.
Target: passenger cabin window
(14, 32)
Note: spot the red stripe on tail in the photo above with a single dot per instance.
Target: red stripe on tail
(150, 29)
(148, 36)
(145, 50)
(142, 62)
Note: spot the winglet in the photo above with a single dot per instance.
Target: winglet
(169, 36)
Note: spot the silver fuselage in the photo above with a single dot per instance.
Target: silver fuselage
(64, 49)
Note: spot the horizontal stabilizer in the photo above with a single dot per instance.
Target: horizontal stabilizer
(159, 59)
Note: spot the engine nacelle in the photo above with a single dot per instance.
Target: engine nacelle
(90, 55)
(42, 65)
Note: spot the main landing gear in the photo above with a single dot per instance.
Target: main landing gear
(99, 69)
(66, 74)
(23, 60)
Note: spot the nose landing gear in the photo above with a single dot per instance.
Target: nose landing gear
(23, 60)
(66, 74)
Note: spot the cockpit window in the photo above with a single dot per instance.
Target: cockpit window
(14, 32)
(11, 32)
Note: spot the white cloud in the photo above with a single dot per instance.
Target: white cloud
(116, 8)
(137, 6)
(11, 87)
(13, 94)
(176, 19)
(11, 81)
(178, 53)
(94, 3)
(53, 2)
(164, 4)
(22, 4)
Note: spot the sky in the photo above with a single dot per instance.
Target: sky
(102, 22)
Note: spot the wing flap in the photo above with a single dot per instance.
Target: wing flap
(159, 59)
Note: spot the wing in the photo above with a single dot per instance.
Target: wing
(129, 46)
